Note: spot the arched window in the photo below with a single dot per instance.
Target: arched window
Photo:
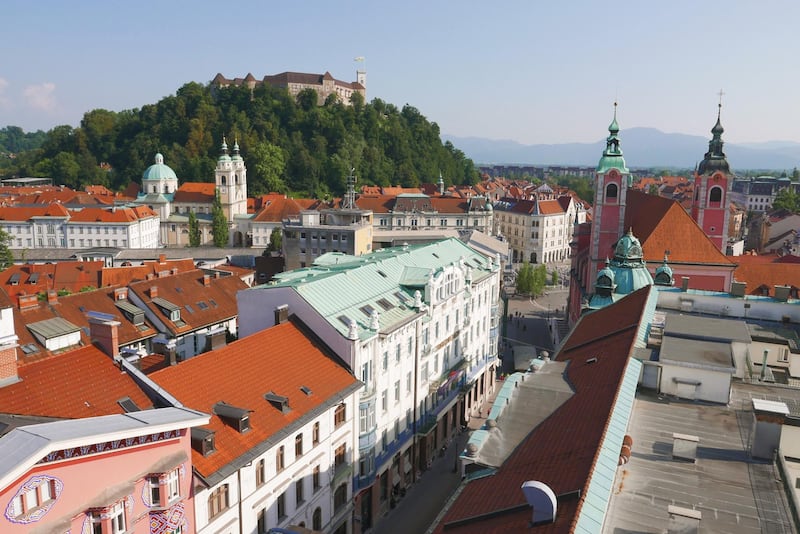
(715, 197)
(611, 192)
(222, 180)
(317, 520)
(236, 178)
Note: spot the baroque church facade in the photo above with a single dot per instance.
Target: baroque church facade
(174, 202)
(630, 229)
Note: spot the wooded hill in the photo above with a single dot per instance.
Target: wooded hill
(289, 145)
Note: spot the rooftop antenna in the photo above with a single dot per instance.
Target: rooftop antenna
(349, 201)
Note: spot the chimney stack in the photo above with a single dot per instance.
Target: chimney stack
(162, 258)
(207, 280)
(685, 284)
(106, 334)
(52, 296)
(153, 292)
(281, 314)
(28, 301)
(121, 293)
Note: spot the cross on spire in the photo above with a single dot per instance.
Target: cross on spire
(721, 94)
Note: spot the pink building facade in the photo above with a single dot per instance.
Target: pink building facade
(129, 473)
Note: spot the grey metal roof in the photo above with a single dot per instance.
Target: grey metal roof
(532, 401)
(694, 352)
(164, 303)
(52, 328)
(127, 306)
(693, 326)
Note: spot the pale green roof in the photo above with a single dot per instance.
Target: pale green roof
(159, 171)
(384, 281)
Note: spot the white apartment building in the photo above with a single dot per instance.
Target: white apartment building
(279, 448)
(418, 326)
(54, 226)
(539, 230)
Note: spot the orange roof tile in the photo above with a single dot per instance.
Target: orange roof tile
(661, 224)
(25, 214)
(70, 275)
(280, 359)
(113, 215)
(187, 288)
(81, 383)
(195, 192)
(122, 276)
(760, 275)
(550, 207)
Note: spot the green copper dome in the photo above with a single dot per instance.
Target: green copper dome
(612, 155)
(664, 274)
(223, 157)
(714, 159)
(159, 171)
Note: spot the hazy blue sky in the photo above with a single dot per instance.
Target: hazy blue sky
(532, 71)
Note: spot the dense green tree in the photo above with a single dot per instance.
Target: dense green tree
(525, 279)
(275, 240)
(787, 199)
(289, 144)
(266, 165)
(6, 257)
(219, 224)
(194, 230)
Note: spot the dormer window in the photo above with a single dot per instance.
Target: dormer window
(237, 418)
(278, 401)
(203, 440)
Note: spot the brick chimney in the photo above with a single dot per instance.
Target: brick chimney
(52, 296)
(27, 302)
(8, 365)
(106, 334)
(153, 292)
(207, 280)
(121, 293)
(162, 258)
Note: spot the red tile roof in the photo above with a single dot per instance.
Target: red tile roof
(80, 383)
(187, 288)
(759, 275)
(550, 207)
(122, 276)
(281, 359)
(113, 215)
(563, 449)
(25, 214)
(69, 275)
(661, 224)
(195, 192)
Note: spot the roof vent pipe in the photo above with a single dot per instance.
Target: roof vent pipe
(543, 501)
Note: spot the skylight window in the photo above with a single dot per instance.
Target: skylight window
(367, 310)
(202, 305)
(212, 302)
(189, 308)
(345, 320)
(29, 348)
(385, 304)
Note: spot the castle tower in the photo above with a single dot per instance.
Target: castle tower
(712, 184)
(230, 178)
(612, 179)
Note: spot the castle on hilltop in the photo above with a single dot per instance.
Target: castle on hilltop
(294, 82)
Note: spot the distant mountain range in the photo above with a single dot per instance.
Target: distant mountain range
(642, 147)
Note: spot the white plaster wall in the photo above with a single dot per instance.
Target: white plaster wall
(724, 305)
(714, 387)
(790, 441)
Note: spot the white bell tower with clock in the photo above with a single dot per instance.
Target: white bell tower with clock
(230, 178)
